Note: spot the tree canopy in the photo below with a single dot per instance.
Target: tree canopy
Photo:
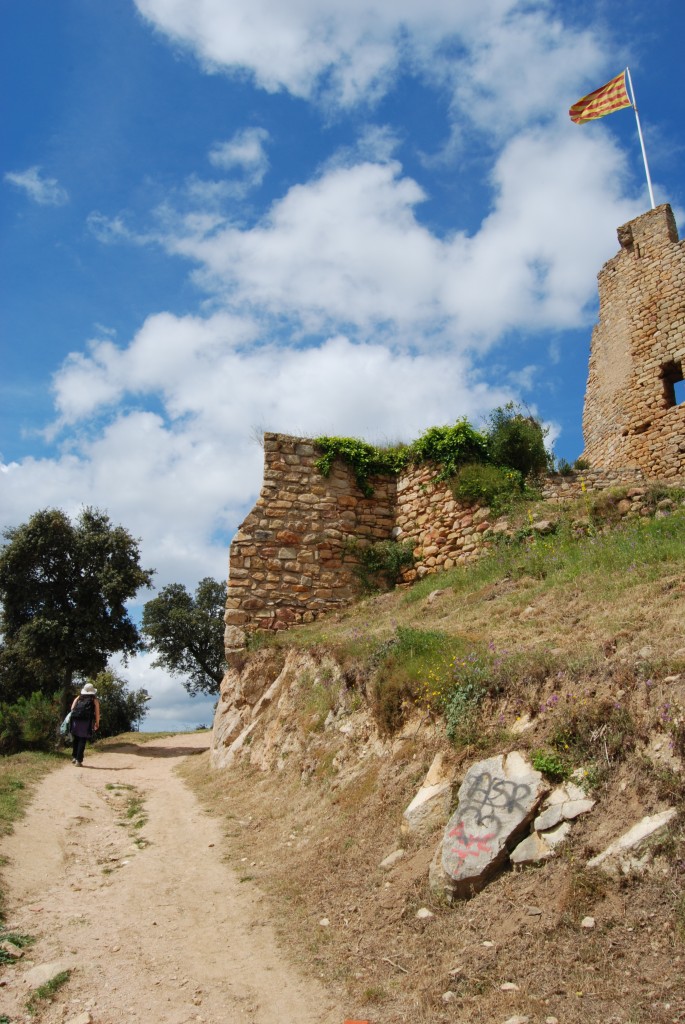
(187, 633)
(121, 709)
(63, 588)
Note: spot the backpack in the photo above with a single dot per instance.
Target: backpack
(84, 709)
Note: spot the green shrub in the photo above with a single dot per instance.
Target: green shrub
(517, 441)
(31, 723)
(450, 447)
(550, 764)
(494, 486)
(380, 565)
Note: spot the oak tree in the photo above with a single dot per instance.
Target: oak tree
(187, 633)
(64, 587)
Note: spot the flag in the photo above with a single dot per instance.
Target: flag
(610, 97)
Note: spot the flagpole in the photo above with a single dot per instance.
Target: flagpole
(642, 141)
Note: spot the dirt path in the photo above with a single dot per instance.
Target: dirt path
(163, 932)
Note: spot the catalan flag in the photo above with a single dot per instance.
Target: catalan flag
(610, 97)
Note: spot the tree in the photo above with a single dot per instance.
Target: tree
(187, 633)
(517, 441)
(64, 588)
(121, 709)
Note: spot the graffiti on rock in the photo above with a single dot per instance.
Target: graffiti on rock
(468, 845)
(489, 797)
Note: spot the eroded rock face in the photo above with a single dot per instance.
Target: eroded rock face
(498, 799)
(430, 807)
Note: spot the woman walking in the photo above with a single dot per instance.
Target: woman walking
(85, 720)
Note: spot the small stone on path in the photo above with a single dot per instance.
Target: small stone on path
(587, 922)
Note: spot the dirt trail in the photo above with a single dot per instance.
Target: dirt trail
(163, 932)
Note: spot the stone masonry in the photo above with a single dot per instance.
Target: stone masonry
(632, 416)
(290, 559)
(293, 558)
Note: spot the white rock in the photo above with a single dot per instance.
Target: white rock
(44, 973)
(588, 922)
(391, 860)
(324, 922)
(574, 808)
(522, 723)
(430, 807)
(532, 850)
(449, 997)
(549, 818)
(424, 914)
(82, 1018)
(518, 1019)
(557, 835)
(497, 801)
(631, 839)
(509, 986)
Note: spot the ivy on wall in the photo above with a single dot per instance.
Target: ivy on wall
(513, 440)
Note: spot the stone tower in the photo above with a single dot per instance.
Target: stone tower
(634, 413)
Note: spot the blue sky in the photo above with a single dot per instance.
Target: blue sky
(327, 216)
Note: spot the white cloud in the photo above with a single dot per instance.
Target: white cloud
(503, 60)
(348, 248)
(246, 151)
(44, 191)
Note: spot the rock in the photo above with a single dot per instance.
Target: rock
(574, 808)
(44, 973)
(509, 986)
(616, 859)
(549, 818)
(558, 834)
(532, 850)
(431, 805)
(518, 1019)
(82, 1018)
(522, 723)
(424, 914)
(11, 951)
(588, 922)
(533, 911)
(391, 860)
(449, 997)
(324, 922)
(497, 801)
(543, 526)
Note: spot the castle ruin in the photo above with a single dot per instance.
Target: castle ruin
(292, 559)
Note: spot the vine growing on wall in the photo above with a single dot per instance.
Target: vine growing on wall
(365, 459)
(511, 436)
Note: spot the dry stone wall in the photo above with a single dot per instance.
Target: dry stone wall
(293, 558)
(632, 416)
(289, 560)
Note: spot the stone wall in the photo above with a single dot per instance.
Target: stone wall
(292, 559)
(289, 560)
(631, 416)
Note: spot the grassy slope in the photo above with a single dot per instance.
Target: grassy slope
(584, 638)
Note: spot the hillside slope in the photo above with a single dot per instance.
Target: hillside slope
(570, 649)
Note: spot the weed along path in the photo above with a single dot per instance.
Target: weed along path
(119, 874)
